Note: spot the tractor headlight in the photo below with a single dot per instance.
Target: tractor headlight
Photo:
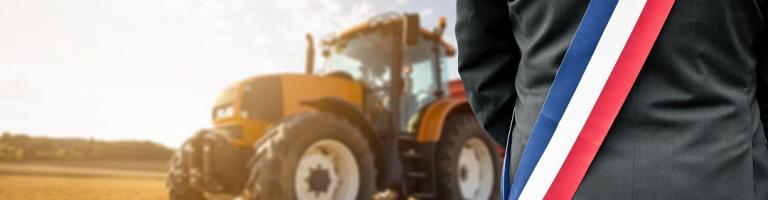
(224, 112)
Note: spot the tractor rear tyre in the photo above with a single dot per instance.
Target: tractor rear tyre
(312, 155)
(469, 164)
(178, 186)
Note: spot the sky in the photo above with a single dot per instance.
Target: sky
(151, 69)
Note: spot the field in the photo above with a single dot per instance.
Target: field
(82, 180)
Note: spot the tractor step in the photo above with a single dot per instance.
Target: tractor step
(411, 154)
(414, 174)
(408, 138)
(423, 195)
(419, 166)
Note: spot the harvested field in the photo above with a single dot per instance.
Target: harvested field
(80, 181)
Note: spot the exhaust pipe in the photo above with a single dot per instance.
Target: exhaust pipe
(309, 67)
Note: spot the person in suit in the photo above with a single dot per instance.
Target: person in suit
(693, 125)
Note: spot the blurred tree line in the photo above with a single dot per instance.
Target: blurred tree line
(24, 147)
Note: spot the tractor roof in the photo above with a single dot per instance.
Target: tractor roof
(376, 24)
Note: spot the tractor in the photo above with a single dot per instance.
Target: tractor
(374, 122)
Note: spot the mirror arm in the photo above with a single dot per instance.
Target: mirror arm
(437, 34)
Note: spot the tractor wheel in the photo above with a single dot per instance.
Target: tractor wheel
(178, 186)
(468, 162)
(312, 155)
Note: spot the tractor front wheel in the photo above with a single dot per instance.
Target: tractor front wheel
(313, 156)
(177, 182)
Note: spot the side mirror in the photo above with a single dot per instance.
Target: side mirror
(411, 29)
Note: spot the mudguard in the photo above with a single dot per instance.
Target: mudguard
(433, 118)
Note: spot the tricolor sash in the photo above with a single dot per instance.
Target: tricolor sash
(594, 78)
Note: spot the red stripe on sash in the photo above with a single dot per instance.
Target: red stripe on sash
(611, 99)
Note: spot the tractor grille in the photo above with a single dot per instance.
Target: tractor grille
(233, 131)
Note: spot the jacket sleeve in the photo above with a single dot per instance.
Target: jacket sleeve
(762, 72)
(762, 83)
(488, 62)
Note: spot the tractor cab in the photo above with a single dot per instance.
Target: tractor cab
(371, 54)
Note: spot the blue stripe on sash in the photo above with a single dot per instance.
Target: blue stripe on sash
(568, 76)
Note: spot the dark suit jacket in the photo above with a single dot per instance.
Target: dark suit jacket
(692, 126)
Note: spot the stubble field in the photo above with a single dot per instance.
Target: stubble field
(83, 180)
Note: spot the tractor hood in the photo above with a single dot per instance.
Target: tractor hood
(272, 97)
(253, 104)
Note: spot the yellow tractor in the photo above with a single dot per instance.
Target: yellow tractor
(374, 122)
